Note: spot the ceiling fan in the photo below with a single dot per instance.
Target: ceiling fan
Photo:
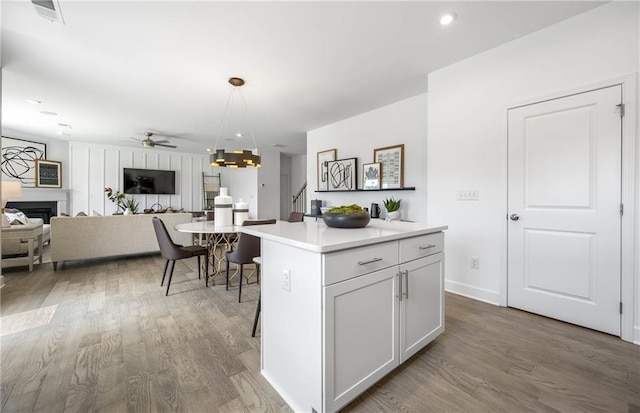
(150, 143)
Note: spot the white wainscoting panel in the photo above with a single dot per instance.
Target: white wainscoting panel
(94, 167)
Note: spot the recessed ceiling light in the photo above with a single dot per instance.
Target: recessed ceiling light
(64, 125)
(34, 101)
(48, 113)
(448, 18)
(238, 135)
(278, 145)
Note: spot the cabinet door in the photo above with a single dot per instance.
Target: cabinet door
(360, 335)
(421, 304)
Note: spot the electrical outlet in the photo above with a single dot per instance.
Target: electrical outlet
(475, 263)
(286, 280)
(468, 195)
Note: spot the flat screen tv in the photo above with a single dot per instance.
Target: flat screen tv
(149, 181)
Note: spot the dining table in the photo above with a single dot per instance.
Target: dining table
(219, 240)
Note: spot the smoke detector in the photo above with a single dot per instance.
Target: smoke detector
(49, 9)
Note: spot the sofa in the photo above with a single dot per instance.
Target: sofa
(20, 242)
(86, 237)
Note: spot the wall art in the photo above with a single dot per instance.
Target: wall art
(343, 174)
(371, 175)
(19, 159)
(323, 177)
(48, 174)
(392, 160)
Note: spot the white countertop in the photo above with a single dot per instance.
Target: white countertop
(317, 237)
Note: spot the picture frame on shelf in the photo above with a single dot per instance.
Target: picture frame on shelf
(342, 174)
(323, 177)
(371, 173)
(48, 174)
(391, 159)
(19, 159)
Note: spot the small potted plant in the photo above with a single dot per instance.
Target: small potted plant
(393, 208)
(129, 205)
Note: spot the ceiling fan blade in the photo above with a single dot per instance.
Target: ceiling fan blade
(166, 146)
(162, 141)
(135, 139)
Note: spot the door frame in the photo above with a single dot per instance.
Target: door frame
(628, 222)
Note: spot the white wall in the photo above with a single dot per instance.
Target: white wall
(468, 130)
(94, 167)
(243, 184)
(402, 122)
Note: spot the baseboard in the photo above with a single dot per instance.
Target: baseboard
(470, 291)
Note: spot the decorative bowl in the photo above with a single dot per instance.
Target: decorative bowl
(325, 209)
(357, 220)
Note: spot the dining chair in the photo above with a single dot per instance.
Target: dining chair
(296, 217)
(247, 248)
(172, 252)
(258, 262)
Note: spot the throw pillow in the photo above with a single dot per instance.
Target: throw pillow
(81, 214)
(16, 217)
(95, 213)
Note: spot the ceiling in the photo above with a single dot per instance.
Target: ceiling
(117, 69)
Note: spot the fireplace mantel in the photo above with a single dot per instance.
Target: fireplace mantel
(59, 195)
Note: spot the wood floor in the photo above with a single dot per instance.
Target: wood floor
(101, 336)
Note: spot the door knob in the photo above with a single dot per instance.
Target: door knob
(514, 217)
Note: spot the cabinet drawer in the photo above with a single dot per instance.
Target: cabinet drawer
(342, 265)
(418, 247)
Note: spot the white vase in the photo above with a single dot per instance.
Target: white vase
(223, 209)
(240, 212)
(128, 211)
(393, 215)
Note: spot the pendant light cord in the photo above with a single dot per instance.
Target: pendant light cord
(245, 120)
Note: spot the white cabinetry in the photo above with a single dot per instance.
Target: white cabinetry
(333, 318)
(374, 322)
(360, 339)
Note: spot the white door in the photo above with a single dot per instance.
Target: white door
(564, 209)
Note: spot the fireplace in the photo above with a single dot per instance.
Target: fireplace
(37, 209)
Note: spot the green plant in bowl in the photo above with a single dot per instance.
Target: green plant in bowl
(346, 216)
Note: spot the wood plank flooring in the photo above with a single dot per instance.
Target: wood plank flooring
(109, 340)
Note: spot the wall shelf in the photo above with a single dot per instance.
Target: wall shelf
(406, 188)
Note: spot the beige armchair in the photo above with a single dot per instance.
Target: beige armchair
(21, 241)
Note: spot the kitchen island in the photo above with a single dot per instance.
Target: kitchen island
(341, 308)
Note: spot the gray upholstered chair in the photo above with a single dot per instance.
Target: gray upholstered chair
(172, 252)
(296, 217)
(247, 248)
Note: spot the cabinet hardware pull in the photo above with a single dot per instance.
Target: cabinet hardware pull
(406, 284)
(400, 285)
(369, 262)
(422, 247)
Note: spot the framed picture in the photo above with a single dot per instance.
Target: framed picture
(48, 174)
(391, 159)
(371, 175)
(19, 159)
(323, 158)
(343, 175)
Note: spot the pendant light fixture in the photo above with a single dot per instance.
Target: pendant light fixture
(236, 158)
